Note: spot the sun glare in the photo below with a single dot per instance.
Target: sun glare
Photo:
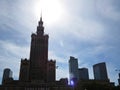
(52, 10)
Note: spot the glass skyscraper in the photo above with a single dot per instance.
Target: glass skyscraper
(100, 71)
(73, 68)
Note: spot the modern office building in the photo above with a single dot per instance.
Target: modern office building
(100, 71)
(83, 74)
(73, 68)
(7, 75)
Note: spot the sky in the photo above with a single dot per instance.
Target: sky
(86, 29)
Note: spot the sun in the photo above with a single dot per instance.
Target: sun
(52, 10)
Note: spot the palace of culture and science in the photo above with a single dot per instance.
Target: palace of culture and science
(37, 72)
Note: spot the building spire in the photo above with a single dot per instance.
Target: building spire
(41, 22)
(40, 28)
(41, 16)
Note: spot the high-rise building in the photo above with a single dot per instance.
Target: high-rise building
(39, 54)
(7, 74)
(24, 70)
(83, 74)
(100, 71)
(38, 68)
(73, 68)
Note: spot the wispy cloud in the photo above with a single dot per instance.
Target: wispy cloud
(62, 72)
(15, 49)
(10, 56)
(108, 9)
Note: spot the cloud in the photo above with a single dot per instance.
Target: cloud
(86, 30)
(108, 9)
(60, 60)
(62, 63)
(10, 56)
(14, 49)
(9, 62)
(112, 74)
(62, 72)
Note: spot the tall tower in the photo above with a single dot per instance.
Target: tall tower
(73, 69)
(39, 54)
(100, 71)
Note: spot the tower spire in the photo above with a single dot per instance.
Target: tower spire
(41, 16)
(40, 28)
(41, 22)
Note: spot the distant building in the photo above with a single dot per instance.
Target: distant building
(7, 75)
(64, 81)
(24, 70)
(73, 68)
(83, 74)
(100, 71)
(51, 71)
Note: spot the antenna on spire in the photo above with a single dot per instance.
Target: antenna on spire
(41, 15)
(41, 22)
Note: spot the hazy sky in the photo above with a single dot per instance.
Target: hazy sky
(86, 29)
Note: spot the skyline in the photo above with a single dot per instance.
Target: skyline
(88, 30)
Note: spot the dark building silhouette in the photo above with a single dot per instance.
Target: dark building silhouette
(24, 70)
(37, 72)
(93, 84)
(51, 72)
(7, 75)
(100, 71)
(73, 69)
(64, 81)
(39, 54)
(83, 74)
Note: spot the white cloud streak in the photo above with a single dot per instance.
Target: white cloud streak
(14, 49)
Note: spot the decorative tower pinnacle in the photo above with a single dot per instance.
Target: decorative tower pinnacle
(41, 22)
(40, 28)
